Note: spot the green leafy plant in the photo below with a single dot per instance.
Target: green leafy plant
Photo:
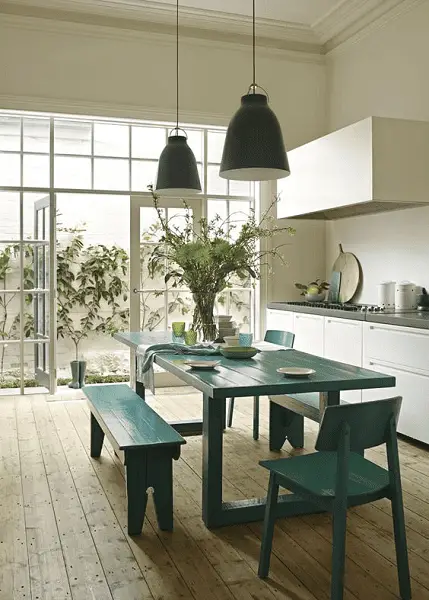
(90, 280)
(205, 255)
(313, 288)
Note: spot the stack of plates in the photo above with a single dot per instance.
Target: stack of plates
(225, 326)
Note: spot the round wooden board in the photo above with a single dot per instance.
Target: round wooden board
(348, 265)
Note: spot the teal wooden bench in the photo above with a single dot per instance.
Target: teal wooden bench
(147, 444)
(287, 418)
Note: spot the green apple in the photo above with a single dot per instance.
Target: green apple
(312, 290)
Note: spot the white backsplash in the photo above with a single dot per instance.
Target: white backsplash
(389, 246)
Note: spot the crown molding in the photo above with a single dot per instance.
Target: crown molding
(160, 36)
(159, 13)
(352, 17)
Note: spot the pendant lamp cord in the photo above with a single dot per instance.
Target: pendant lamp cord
(254, 47)
(177, 65)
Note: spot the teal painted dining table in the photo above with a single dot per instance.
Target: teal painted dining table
(236, 378)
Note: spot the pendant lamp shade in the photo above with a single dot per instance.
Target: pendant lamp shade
(177, 169)
(254, 149)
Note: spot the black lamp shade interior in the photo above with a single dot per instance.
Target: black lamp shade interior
(254, 149)
(177, 169)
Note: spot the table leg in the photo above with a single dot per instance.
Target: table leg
(328, 399)
(213, 423)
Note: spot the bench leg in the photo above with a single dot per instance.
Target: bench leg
(136, 471)
(285, 425)
(160, 478)
(97, 437)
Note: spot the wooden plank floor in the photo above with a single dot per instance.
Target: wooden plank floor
(63, 519)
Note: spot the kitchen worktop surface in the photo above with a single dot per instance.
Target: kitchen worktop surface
(413, 318)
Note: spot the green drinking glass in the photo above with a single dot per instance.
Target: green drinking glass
(178, 328)
(190, 337)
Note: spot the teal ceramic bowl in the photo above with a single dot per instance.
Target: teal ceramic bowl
(238, 351)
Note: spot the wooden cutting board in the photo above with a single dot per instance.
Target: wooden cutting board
(348, 265)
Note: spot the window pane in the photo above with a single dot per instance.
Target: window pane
(152, 311)
(180, 307)
(30, 200)
(177, 218)
(215, 185)
(36, 170)
(217, 207)
(72, 137)
(111, 174)
(215, 142)
(9, 217)
(239, 188)
(149, 224)
(143, 173)
(36, 135)
(10, 169)
(10, 129)
(240, 307)
(238, 214)
(196, 143)
(147, 142)
(73, 173)
(9, 280)
(111, 140)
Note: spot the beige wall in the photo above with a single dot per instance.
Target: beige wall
(383, 74)
(65, 67)
(52, 65)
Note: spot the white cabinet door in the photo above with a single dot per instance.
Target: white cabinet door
(403, 346)
(414, 389)
(309, 333)
(280, 319)
(343, 342)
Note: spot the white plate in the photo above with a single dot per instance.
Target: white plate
(204, 365)
(295, 371)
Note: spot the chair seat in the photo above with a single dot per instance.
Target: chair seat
(317, 473)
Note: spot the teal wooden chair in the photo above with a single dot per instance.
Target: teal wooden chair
(274, 336)
(338, 476)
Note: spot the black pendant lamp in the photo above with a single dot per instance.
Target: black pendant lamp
(254, 149)
(177, 168)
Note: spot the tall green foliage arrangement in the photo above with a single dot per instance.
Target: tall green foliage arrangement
(206, 255)
(91, 280)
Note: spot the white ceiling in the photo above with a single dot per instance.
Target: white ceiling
(306, 12)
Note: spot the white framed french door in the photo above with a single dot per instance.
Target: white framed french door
(43, 293)
(154, 305)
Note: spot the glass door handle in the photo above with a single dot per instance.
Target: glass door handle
(136, 291)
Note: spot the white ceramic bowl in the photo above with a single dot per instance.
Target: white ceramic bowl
(231, 340)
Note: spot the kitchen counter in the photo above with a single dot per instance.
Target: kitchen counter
(415, 318)
(314, 310)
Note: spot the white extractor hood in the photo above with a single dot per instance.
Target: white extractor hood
(377, 164)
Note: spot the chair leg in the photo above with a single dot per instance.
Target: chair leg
(256, 418)
(268, 531)
(230, 411)
(338, 552)
(401, 546)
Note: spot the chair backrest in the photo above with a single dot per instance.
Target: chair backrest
(281, 338)
(369, 424)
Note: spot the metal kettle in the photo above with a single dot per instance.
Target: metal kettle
(423, 300)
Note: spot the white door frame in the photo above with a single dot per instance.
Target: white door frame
(138, 201)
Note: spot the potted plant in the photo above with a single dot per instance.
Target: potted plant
(314, 291)
(204, 257)
(90, 282)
